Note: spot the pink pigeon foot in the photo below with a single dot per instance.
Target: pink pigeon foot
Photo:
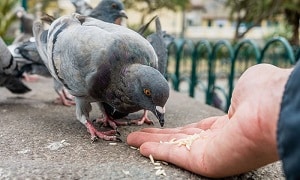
(30, 78)
(105, 135)
(114, 123)
(65, 98)
(143, 120)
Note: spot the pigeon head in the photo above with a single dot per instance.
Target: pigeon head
(109, 11)
(147, 88)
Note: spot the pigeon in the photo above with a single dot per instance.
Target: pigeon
(9, 71)
(29, 59)
(30, 62)
(104, 63)
(110, 11)
(157, 41)
(26, 21)
(158, 36)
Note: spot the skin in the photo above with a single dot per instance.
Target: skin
(240, 141)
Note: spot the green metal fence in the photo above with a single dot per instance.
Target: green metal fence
(213, 68)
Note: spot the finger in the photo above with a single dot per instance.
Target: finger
(136, 139)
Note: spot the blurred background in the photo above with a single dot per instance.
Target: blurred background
(193, 19)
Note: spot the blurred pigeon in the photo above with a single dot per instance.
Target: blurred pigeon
(110, 11)
(30, 62)
(157, 41)
(26, 21)
(9, 71)
(105, 63)
(167, 38)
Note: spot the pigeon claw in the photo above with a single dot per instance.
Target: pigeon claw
(118, 140)
(94, 139)
(65, 98)
(143, 120)
(117, 133)
(105, 135)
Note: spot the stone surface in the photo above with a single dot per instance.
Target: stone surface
(42, 140)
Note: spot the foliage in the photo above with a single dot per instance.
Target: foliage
(43, 5)
(283, 30)
(7, 16)
(291, 12)
(253, 12)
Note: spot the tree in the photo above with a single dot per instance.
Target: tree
(249, 14)
(7, 15)
(292, 14)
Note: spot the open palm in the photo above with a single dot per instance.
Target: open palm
(242, 140)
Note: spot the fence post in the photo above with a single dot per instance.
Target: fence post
(211, 79)
(179, 44)
(195, 59)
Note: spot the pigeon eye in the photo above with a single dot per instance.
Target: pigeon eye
(147, 92)
(114, 6)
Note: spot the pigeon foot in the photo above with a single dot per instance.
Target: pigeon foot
(65, 98)
(30, 78)
(105, 135)
(106, 121)
(143, 120)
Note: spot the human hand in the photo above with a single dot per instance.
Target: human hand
(241, 141)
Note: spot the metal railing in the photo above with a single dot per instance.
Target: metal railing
(213, 68)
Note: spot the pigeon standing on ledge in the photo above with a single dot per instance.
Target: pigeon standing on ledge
(9, 71)
(105, 63)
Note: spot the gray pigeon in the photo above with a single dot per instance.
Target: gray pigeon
(157, 41)
(30, 62)
(26, 21)
(9, 71)
(110, 11)
(104, 63)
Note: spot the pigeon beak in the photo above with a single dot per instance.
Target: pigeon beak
(122, 13)
(159, 113)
